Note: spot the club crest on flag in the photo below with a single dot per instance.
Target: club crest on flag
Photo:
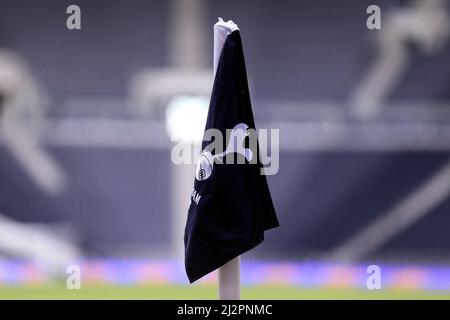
(204, 166)
(206, 161)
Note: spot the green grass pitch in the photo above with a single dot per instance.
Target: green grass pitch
(207, 292)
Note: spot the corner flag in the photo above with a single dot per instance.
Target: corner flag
(231, 206)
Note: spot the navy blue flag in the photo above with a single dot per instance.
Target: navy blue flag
(231, 206)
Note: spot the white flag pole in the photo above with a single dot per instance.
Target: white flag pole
(230, 280)
(229, 273)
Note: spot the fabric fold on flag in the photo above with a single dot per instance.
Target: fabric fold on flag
(231, 206)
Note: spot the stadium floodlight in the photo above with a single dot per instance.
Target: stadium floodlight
(186, 118)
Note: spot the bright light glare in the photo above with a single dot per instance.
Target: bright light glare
(186, 118)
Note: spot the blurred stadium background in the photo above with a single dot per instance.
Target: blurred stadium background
(85, 170)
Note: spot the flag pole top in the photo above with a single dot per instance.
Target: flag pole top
(221, 31)
(229, 26)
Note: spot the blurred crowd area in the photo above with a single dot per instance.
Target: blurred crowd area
(364, 119)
